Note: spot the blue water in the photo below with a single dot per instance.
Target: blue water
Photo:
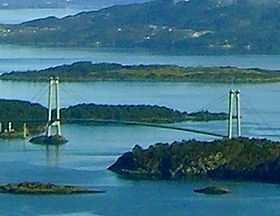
(41, 57)
(83, 162)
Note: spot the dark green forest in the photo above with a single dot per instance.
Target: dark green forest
(239, 159)
(140, 113)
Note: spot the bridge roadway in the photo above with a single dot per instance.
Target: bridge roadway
(102, 121)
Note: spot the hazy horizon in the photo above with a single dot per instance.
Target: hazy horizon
(82, 4)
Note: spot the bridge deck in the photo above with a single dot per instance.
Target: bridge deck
(146, 125)
(124, 122)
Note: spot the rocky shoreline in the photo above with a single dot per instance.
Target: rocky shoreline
(237, 159)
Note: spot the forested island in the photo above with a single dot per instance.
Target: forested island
(189, 27)
(14, 113)
(88, 71)
(235, 159)
(138, 113)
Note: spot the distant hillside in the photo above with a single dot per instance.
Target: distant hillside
(194, 27)
(87, 71)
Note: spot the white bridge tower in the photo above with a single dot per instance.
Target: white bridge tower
(53, 122)
(234, 98)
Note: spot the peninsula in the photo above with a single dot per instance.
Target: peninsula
(239, 159)
(89, 72)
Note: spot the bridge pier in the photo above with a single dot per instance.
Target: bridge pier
(234, 97)
(24, 130)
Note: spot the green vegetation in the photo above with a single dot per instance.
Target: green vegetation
(192, 27)
(87, 71)
(15, 111)
(140, 113)
(242, 159)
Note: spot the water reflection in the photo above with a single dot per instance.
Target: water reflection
(53, 155)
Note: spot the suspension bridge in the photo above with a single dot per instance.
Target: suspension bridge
(54, 118)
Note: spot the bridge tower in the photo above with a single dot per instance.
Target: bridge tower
(234, 98)
(53, 122)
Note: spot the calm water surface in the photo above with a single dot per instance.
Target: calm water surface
(27, 58)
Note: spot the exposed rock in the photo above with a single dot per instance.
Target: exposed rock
(51, 140)
(38, 188)
(213, 190)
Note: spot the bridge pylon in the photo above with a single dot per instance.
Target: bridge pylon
(53, 122)
(234, 98)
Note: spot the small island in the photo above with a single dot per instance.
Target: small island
(212, 190)
(38, 188)
(235, 159)
(89, 72)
